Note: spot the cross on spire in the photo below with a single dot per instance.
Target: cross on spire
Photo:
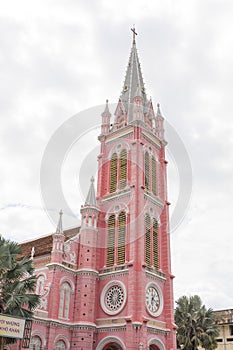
(134, 33)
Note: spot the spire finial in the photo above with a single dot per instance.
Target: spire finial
(106, 110)
(59, 226)
(158, 109)
(134, 33)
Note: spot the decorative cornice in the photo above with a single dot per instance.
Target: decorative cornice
(61, 267)
(156, 276)
(115, 271)
(155, 200)
(116, 195)
(113, 135)
(67, 325)
(87, 272)
(157, 330)
(151, 138)
(112, 329)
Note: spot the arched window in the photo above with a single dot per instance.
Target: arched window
(60, 345)
(151, 242)
(121, 238)
(123, 169)
(111, 241)
(155, 245)
(153, 175)
(40, 284)
(36, 343)
(147, 240)
(147, 171)
(65, 292)
(113, 173)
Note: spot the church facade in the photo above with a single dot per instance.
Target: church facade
(107, 285)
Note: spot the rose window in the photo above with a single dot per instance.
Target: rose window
(114, 298)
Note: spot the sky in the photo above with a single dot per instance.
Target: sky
(60, 59)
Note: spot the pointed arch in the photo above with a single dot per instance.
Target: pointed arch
(35, 343)
(41, 336)
(61, 342)
(123, 169)
(121, 238)
(113, 173)
(60, 345)
(157, 342)
(111, 341)
(111, 241)
(69, 281)
(40, 282)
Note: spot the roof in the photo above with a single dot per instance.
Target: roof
(43, 245)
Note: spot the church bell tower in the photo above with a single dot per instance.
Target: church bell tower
(134, 292)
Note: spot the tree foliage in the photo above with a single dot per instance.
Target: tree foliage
(196, 324)
(17, 284)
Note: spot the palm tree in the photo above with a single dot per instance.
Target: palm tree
(196, 324)
(17, 284)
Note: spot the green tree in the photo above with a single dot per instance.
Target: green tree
(196, 324)
(17, 284)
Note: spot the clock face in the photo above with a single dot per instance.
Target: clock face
(113, 297)
(154, 299)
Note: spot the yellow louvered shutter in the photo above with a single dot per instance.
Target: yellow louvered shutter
(111, 241)
(121, 238)
(113, 173)
(155, 245)
(153, 175)
(123, 169)
(147, 240)
(147, 171)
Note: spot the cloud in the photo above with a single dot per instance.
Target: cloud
(59, 60)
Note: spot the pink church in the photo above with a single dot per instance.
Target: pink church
(107, 285)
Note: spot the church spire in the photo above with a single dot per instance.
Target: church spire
(91, 198)
(133, 83)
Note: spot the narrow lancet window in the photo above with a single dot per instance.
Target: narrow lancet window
(154, 175)
(123, 169)
(111, 241)
(147, 171)
(155, 245)
(147, 240)
(113, 173)
(65, 292)
(121, 238)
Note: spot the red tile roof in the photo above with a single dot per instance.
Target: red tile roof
(43, 245)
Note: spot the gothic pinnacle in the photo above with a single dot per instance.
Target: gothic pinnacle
(91, 198)
(59, 225)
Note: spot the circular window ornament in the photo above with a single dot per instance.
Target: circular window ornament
(154, 299)
(113, 297)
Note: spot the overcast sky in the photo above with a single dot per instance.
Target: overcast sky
(58, 58)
